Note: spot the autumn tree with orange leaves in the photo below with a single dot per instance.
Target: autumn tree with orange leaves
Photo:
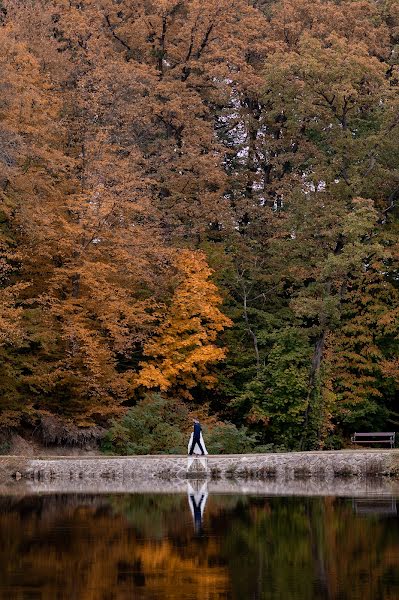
(182, 349)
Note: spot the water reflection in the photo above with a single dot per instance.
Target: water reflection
(375, 506)
(194, 546)
(197, 492)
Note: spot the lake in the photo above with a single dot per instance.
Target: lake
(198, 546)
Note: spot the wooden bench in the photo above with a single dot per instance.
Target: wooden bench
(382, 437)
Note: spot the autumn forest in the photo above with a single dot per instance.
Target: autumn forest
(199, 216)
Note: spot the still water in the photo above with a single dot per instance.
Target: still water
(197, 546)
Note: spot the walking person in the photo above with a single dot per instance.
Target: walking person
(196, 444)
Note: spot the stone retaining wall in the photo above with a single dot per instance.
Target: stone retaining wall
(125, 471)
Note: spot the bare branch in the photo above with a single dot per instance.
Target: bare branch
(111, 27)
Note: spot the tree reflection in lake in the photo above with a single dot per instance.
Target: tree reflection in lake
(146, 547)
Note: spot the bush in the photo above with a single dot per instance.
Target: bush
(225, 438)
(5, 442)
(158, 425)
(334, 442)
(5, 447)
(267, 448)
(153, 426)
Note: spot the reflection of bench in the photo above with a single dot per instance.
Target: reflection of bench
(383, 437)
(375, 506)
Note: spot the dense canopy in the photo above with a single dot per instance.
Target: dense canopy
(199, 199)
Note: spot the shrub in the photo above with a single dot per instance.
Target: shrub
(267, 448)
(5, 447)
(153, 426)
(334, 442)
(225, 438)
(157, 425)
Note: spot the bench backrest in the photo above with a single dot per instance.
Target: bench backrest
(379, 434)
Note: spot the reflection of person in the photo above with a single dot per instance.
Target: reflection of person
(197, 513)
(196, 444)
(197, 500)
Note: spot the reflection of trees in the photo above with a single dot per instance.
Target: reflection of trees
(363, 553)
(144, 547)
(151, 516)
(118, 547)
(310, 549)
(269, 544)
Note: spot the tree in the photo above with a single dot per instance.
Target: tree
(185, 59)
(323, 129)
(82, 229)
(364, 350)
(183, 346)
(28, 160)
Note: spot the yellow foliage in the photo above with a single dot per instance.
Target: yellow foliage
(184, 346)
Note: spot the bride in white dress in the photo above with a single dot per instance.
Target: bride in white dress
(200, 440)
(197, 449)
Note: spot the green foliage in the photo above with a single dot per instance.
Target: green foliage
(154, 426)
(334, 442)
(226, 438)
(280, 391)
(5, 447)
(366, 345)
(158, 425)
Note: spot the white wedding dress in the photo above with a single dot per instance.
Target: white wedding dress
(196, 447)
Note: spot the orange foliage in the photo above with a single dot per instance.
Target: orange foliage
(183, 347)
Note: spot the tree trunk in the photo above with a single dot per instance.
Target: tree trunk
(317, 360)
(252, 334)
